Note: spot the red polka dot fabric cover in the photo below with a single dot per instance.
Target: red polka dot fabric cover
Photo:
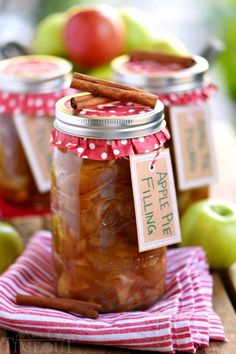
(114, 109)
(195, 96)
(97, 149)
(33, 104)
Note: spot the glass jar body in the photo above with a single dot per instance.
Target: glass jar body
(17, 184)
(94, 236)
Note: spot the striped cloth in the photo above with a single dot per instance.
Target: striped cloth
(183, 320)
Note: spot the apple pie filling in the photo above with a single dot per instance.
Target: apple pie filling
(95, 240)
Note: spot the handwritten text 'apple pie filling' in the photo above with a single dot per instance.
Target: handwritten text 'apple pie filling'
(163, 203)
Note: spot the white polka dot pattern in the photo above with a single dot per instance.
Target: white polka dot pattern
(38, 102)
(116, 152)
(115, 109)
(33, 104)
(5, 95)
(80, 150)
(97, 149)
(92, 146)
(104, 156)
(51, 102)
(30, 102)
(12, 103)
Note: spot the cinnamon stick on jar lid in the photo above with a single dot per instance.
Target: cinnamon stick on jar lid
(105, 82)
(78, 103)
(139, 55)
(113, 91)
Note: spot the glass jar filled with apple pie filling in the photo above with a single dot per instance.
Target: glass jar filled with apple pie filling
(95, 243)
(29, 88)
(182, 85)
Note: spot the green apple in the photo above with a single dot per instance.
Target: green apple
(169, 45)
(47, 7)
(228, 57)
(211, 223)
(138, 32)
(102, 72)
(11, 245)
(48, 38)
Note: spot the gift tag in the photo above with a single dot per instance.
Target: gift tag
(155, 203)
(193, 147)
(34, 133)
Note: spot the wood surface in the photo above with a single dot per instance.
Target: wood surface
(229, 277)
(4, 343)
(232, 280)
(37, 346)
(225, 310)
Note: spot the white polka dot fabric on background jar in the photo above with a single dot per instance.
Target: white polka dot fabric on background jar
(29, 88)
(96, 251)
(183, 86)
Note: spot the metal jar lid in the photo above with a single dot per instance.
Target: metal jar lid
(109, 127)
(34, 74)
(162, 82)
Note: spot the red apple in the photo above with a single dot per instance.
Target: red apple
(94, 36)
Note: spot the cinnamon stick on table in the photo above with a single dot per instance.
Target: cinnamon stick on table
(83, 308)
(108, 89)
(139, 55)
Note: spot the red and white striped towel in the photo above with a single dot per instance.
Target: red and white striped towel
(182, 320)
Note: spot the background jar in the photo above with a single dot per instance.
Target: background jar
(29, 87)
(182, 84)
(94, 228)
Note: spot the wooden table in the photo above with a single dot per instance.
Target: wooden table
(224, 293)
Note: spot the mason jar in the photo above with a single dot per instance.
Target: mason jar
(29, 87)
(183, 86)
(95, 244)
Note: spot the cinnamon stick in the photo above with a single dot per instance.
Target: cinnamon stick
(115, 93)
(78, 104)
(85, 309)
(139, 55)
(105, 82)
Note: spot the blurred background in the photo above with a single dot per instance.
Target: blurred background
(197, 24)
(189, 20)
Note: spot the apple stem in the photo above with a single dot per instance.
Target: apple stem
(222, 210)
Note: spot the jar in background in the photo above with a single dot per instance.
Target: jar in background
(95, 244)
(182, 85)
(29, 87)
